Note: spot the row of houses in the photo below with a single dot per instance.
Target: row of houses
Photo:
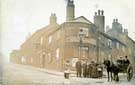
(75, 39)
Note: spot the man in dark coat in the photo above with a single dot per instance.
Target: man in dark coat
(84, 69)
(126, 61)
(89, 69)
(78, 68)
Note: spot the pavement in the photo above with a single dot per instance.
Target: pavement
(26, 75)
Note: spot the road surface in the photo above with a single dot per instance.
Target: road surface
(25, 75)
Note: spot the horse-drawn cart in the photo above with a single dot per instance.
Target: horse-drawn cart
(125, 68)
(121, 66)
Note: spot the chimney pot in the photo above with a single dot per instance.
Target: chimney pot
(95, 13)
(116, 20)
(98, 12)
(113, 20)
(102, 12)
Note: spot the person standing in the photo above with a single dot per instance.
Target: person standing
(79, 68)
(84, 67)
(126, 61)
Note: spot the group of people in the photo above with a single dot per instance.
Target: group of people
(85, 69)
(91, 69)
(124, 61)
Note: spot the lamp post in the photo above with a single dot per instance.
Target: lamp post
(98, 47)
(81, 35)
(110, 50)
(110, 47)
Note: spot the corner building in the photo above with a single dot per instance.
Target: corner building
(53, 46)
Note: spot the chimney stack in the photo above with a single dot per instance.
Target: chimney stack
(99, 20)
(126, 31)
(70, 9)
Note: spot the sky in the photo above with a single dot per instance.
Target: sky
(21, 18)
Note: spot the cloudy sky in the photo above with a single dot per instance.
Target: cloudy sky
(19, 18)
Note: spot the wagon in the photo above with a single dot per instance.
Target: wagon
(96, 70)
(125, 68)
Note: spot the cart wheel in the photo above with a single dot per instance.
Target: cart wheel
(129, 73)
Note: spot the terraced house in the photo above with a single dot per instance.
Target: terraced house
(75, 39)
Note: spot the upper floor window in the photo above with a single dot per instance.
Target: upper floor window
(109, 43)
(85, 31)
(50, 39)
(118, 45)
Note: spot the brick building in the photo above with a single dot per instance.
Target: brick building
(75, 39)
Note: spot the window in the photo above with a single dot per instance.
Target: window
(84, 51)
(41, 40)
(50, 39)
(109, 43)
(57, 53)
(118, 45)
(36, 45)
(85, 31)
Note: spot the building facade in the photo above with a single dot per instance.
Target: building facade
(76, 39)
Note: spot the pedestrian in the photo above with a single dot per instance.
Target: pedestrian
(89, 70)
(84, 67)
(67, 69)
(66, 73)
(79, 68)
(126, 61)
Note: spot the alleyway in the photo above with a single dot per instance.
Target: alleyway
(25, 75)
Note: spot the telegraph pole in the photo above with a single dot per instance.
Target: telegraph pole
(98, 46)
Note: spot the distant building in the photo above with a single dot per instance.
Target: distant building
(15, 56)
(76, 39)
(121, 34)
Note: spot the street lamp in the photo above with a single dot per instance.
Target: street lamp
(110, 48)
(98, 47)
(81, 35)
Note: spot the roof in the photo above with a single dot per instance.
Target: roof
(112, 38)
(48, 29)
(131, 39)
(82, 19)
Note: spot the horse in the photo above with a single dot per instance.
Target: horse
(113, 69)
